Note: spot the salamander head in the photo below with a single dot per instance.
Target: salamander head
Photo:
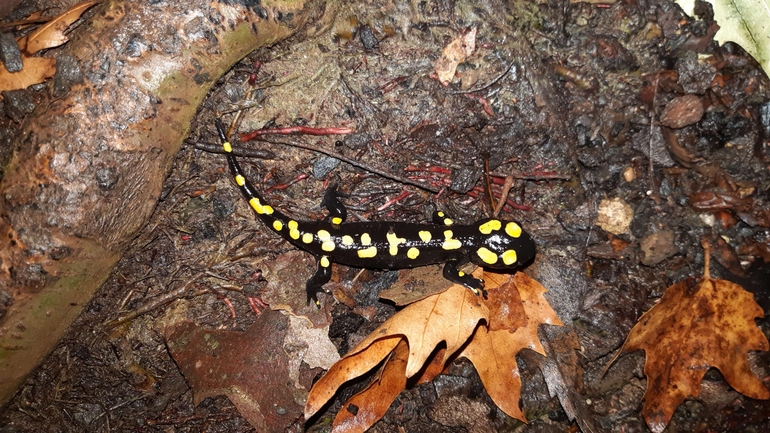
(502, 245)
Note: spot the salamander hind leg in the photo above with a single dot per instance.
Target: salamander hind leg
(315, 284)
(455, 275)
(337, 211)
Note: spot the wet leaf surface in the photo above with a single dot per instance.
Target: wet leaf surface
(698, 324)
(506, 324)
(512, 327)
(36, 70)
(251, 368)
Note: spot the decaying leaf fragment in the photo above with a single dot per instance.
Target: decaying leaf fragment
(454, 54)
(49, 35)
(36, 70)
(698, 324)
(410, 338)
(251, 368)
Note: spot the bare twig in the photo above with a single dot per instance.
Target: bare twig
(495, 80)
(358, 164)
(503, 196)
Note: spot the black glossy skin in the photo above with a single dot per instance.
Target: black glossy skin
(391, 245)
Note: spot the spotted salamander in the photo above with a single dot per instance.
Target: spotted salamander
(490, 242)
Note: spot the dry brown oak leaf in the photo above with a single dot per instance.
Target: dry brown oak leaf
(514, 309)
(697, 324)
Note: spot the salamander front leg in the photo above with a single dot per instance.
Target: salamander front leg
(454, 275)
(316, 282)
(337, 211)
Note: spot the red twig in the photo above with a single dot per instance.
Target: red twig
(283, 186)
(484, 103)
(256, 304)
(229, 305)
(404, 194)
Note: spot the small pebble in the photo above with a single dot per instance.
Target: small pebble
(615, 216)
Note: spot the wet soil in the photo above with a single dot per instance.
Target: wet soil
(584, 105)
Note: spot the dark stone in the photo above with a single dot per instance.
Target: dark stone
(106, 178)
(324, 165)
(465, 179)
(10, 55)
(357, 140)
(367, 37)
(17, 104)
(68, 73)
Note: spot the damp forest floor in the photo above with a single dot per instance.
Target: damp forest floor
(573, 101)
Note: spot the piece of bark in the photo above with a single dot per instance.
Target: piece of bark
(146, 67)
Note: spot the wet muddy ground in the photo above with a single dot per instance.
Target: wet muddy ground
(584, 105)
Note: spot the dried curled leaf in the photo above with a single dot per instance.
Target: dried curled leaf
(448, 317)
(493, 350)
(695, 326)
(349, 367)
(513, 311)
(454, 54)
(369, 405)
(51, 34)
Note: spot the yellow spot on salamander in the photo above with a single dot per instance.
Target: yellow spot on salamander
(394, 241)
(326, 238)
(278, 225)
(240, 180)
(367, 253)
(448, 221)
(490, 226)
(513, 229)
(412, 253)
(425, 235)
(259, 208)
(336, 220)
(440, 214)
(449, 242)
(487, 256)
(307, 238)
(347, 240)
(366, 239)
(460, 274)
(325, 261)
(293, 232)
(227, 147)
(509, 257)
(255, 204)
